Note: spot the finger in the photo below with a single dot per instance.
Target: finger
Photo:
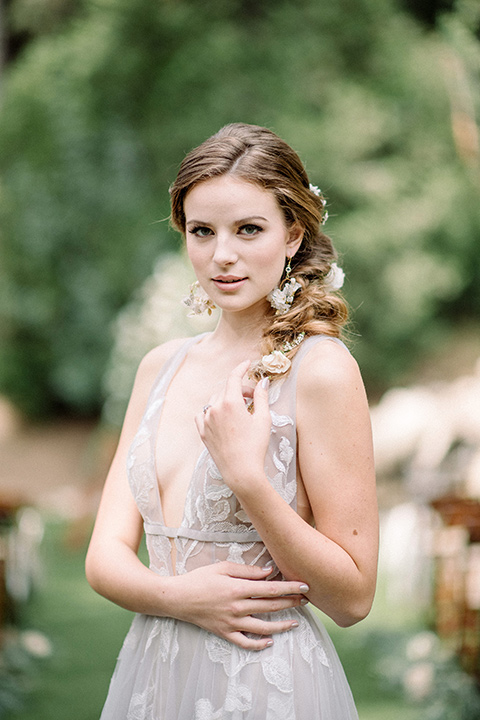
(262, 588)
(260, 397)
(233, 386)
(248, 643)
(262, 631)
(240, 370)
(261, 388)
(200, 423)
(279, 588)
(214, 397)
(247, 572)
(259, 606)
(201, 416)
(269, 627)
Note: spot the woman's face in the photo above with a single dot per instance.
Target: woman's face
(237, 241)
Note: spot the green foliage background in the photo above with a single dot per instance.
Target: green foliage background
(106, 97)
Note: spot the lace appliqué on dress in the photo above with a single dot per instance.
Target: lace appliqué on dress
(239, 698)
(310, 646)
(280, 707)
(165, 633)
(160, 551)
(139, 470)
(141, 705)
(277, 672)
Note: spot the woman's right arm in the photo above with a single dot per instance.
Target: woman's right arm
(220, 598)
(112, 566)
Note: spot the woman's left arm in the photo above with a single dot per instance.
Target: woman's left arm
(338, 557)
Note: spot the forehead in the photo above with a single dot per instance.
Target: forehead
(228, 195)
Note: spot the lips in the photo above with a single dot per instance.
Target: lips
(229, 283)
(228, 279)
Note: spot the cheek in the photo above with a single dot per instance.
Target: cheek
(273, 263)
(194, 253)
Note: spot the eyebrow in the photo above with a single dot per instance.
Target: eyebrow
(243, 221)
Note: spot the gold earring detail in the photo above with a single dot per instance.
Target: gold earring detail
(288, 269)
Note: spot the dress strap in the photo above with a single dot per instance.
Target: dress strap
(307, 345)
(171, 365)
(303, 350)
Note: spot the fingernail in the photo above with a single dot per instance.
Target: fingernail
(294, 624)
(265, 382)
(304, 601)
(304, 588)
(269, 643)
(269, 568)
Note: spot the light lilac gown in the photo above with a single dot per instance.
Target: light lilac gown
(173, 670)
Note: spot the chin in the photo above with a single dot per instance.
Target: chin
(254, 306)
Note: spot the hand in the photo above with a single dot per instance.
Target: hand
(222, 598)
(236, 438)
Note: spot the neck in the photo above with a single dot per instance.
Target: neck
(241, 330)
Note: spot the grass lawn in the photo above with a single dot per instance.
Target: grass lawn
(363, 649)
(86, 632)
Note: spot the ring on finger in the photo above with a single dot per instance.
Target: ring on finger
(205, 408)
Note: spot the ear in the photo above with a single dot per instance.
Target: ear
(294, 240)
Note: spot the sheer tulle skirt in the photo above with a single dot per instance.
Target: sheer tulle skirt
(172, 670)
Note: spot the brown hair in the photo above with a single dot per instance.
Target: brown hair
(258, 155)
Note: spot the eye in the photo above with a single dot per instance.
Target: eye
(250, 230)
(200, 231)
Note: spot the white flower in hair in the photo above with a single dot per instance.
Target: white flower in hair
(275, 363)
(316, 191)
(334, 279)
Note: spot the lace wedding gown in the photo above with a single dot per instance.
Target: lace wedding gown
(173, 670)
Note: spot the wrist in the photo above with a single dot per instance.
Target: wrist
(167, 596)
(247, 481)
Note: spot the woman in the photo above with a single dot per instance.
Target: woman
(246, 459)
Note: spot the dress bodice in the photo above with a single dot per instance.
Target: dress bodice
(214, 527)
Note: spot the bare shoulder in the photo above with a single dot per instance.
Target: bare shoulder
(149, 369)
(154, 360)
(328, 368)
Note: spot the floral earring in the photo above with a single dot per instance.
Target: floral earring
(281, 299)
(198, 301)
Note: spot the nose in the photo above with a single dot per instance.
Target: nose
(225, 252)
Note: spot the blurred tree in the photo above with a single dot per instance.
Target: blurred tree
(21, 21)
(40, 17)
(100, 110)
(427, 11)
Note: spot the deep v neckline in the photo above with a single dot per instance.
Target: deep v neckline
(168, 375)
